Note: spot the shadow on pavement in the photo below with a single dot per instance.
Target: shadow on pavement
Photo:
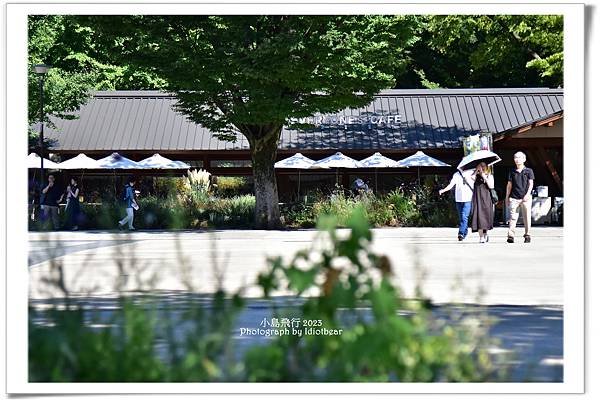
(531, 335)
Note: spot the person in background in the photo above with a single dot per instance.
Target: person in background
(51, 197)
(73, 209)
(483, 206)
(359, 187)
(462, 182)
(518, 195)
(130, 204)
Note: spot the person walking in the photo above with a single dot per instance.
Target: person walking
(73, 209)
(483, 206)
(130, 204)
(462, 182)
(518, 195)
(50, 198)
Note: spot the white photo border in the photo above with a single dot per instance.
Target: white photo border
(17, 243)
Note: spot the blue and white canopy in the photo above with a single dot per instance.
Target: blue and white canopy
(339, 160)
(377, 160)
(299, 162)
(34, 161)
(116, 161)
(79, 162)
(157, 161)
(420, 159)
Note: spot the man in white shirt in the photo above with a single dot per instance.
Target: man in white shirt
(463, 193)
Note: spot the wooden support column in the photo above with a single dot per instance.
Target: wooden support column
(548, 162)
(345, 179)
(206, 163)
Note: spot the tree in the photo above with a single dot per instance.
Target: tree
(487, 51)
(79, 66)
(254, 74)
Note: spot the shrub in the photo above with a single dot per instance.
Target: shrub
(233, 186)
(299, 215)
(158, 213)
(103, 216)
(124, 347)
(409, 206)
(198, 180)
(337, 204)
(404, 207)
(236, 211)
(165, 187)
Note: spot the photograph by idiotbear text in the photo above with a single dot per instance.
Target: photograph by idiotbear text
(295, 198)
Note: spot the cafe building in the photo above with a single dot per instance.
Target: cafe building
(399, 122)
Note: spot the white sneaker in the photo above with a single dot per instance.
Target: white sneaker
(482, 240)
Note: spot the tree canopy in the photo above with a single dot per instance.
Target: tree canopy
(234, 71)
(78, 64)
(253, 74)
(487, 51)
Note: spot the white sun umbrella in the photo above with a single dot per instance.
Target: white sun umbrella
(157, 161)
(377, 160)
(79, 162)
(419, 160)
(337, 161)
(471, 161)
(34, 161)
(298, 162)
(117, 162)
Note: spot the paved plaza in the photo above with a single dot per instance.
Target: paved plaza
(519, 285)
(98, 263)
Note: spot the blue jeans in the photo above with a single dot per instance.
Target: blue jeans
(463, 209)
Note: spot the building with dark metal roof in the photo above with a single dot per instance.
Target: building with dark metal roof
(397, 123)
(420, 119)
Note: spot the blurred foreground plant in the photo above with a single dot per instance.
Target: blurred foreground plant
(382, 345)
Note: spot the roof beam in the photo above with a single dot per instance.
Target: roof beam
(549, 120)
(509, 135)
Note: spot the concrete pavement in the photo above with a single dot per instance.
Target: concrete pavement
(105, 263)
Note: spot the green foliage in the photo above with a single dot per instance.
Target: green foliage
(123, 347)
(164, 187)
(232, 186)
(256, 71)
(175, 205)
(487, 51)
(405, 207)
(383, 346)
(175, 212)
(337, 204)
(158, 212)
(411, 206)
(237, 211)
(71, 351)
(79, 65)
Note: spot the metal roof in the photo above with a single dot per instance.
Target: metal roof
(426, 119)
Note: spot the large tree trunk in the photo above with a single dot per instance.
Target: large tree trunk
(263, 149)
